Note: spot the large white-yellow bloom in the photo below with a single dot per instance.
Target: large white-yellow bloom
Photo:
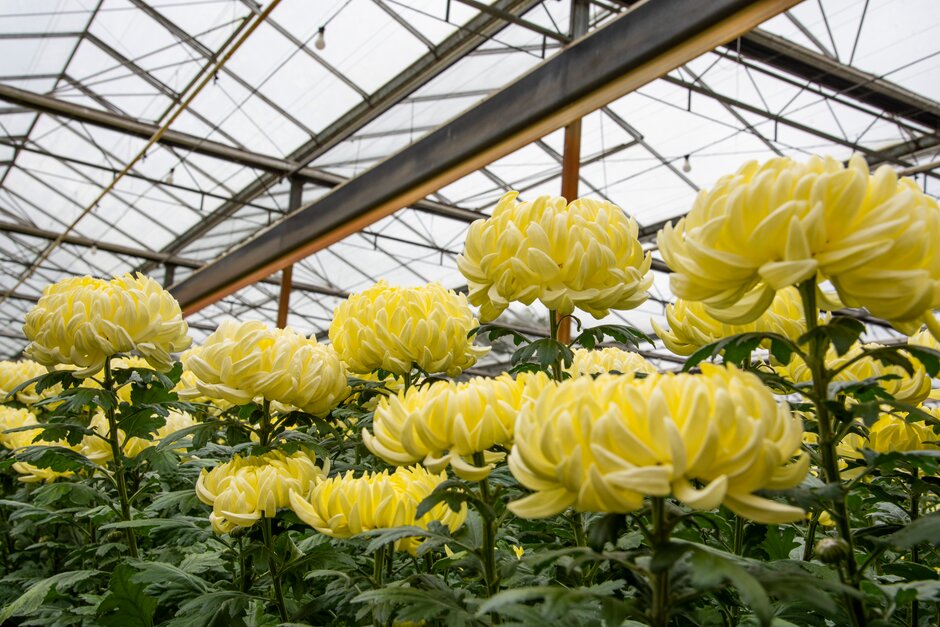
(585, 254)
(15, 373)
(82, 321)
(772, 225)
(245, 489)
(11, 418)
(609, 359)
(448, 422)
(601, 445)
(344, 506)
(244, 360)
(396, 328)
(905, 388)
(692, 327)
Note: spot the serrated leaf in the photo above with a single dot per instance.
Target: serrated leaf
(842, 331)
(126, 604)
(454, 493)
(710, 570)
(494, 331)
(57, 458)
(928, 357)
(33, 598)
(924, 529)
(779, 541)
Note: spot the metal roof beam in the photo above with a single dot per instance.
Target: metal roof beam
(629, 52)
(820, 69)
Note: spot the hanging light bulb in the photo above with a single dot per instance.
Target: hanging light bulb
(686, 166)
(320, 42)
(168, 179)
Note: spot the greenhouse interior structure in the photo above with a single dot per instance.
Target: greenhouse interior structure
(470, 312)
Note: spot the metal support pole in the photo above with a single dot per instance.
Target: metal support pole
(287, 274)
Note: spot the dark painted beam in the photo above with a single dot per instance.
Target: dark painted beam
(627, 53)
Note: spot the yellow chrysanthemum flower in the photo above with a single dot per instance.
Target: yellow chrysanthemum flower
(610, 359)
(585, 254)
(906, 388)
(244, 489)
(447, 422)
(769, 226)
(15, 373)
(344, 506)
(396, 328)
(692, 327)
(601, 445)
(244, 360)
(82, 321)
(11, 418)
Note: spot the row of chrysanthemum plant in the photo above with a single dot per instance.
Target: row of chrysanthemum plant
(358, 482)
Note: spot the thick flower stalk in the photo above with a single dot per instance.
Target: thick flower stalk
(602, 445)
(585, 254)
(905, 388)
(781, 223)
(245, 489)
(242, 361)
(448, 422)
(15, 373)
(346, 505)
(398, 328)
(610, 359)
(83, 321)
(11, 418)
(692, 327)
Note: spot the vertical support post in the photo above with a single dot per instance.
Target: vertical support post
(287, 274)
(571, 155)
(169, 274)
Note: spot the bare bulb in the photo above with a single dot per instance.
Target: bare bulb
(168, 179)
(320, 42)
(686, 166)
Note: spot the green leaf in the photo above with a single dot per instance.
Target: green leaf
(76, 400)
(668, 554)
(891, 356)
(57, 458)
(924, 529)
(842, 331)
(737, 349)
(29, 601)
(622, 333)
(711, 570)
(126, 604)
(494, 331)
(544, 351)
(929, 357)
(452, 492)
(779, 541)
(906, 592)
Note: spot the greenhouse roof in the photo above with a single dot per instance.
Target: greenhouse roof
(85, 84)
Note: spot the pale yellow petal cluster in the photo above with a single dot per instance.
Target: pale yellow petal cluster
(244, 489)
(892, 433)
(82, 321)
(603, 444)
(11, 418)
(905, 388)
(692, 327)
(14, 374)
(244, 360)
(585, 254)
(772, 225)
(397, 328)
(610, 359)
(447, 422)
(344, 506)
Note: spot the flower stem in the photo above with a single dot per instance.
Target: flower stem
(378, 576)
(816, 361)
(915, 552)
(268, 533)
(490, 528)
(117, 453)
(553, 331)
(659, 605)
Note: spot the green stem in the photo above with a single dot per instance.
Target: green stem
(264, 431)
(378, 576)
(659, 605)
(816, 360)
(268, 533)
(915, 551)
(117, 453)
(553, 331)
(243, 584)
(810, 540)
(488, 556)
